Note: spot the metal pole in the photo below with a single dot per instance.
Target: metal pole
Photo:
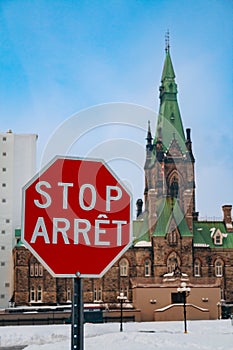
(77, 316)
(185, 322)
(121, 327)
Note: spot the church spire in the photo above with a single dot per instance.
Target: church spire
(169, 123)
(149, 137)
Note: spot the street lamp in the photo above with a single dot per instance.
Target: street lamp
(185, 291)
(121, 298)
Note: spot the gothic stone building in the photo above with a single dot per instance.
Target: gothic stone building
(171, 244)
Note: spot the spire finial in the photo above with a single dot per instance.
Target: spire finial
(149, 126)
(167, 41)
(149, 136)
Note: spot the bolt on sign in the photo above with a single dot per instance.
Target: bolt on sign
(76, 217)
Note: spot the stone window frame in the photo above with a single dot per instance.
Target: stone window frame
(218, 268)
(197, 268)
(40, 270)
(176, 263)
(36, 270)
(124, 267)
(97, 293)
(39, 294)
(36, 267)
(172, 238)
(125, 291)
(32, 294)
(147, 267)
(68, 294)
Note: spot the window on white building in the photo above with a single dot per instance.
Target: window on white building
(4, 138)
(4, 154)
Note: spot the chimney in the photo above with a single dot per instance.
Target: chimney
(139, 205)
(188, 133)
(227, 217)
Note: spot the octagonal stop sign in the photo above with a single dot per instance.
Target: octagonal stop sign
(76, 217)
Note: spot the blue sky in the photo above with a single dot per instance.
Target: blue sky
(61, 57)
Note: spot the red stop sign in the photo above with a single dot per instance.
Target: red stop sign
(76, 217)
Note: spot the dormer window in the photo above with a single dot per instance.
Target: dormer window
(218, 239)
(217, 236)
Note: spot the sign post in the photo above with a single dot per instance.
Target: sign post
(77, 337)
(76, 220)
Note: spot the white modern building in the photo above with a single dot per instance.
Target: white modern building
(17, 166)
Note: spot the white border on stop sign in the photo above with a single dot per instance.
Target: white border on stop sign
(36, 176)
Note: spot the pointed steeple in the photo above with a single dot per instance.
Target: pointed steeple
(149, 137)
(169, 123)
(168, 71)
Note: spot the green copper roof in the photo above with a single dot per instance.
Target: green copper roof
(169, 209)
(203, 234)
(168, 71)
(18, 237)
(140, 230)
(169, 125)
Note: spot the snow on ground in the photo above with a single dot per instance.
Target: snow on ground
(202, 335)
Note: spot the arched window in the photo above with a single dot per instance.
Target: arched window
(173, 262)
(174, 188)
(40, 270)
(218, 268)
(147, 267)
(36, 270)
(172, 238)
(39, 293)
(32, 272)
(197, 268)
(124, 267)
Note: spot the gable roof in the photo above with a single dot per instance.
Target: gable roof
(169, 209)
